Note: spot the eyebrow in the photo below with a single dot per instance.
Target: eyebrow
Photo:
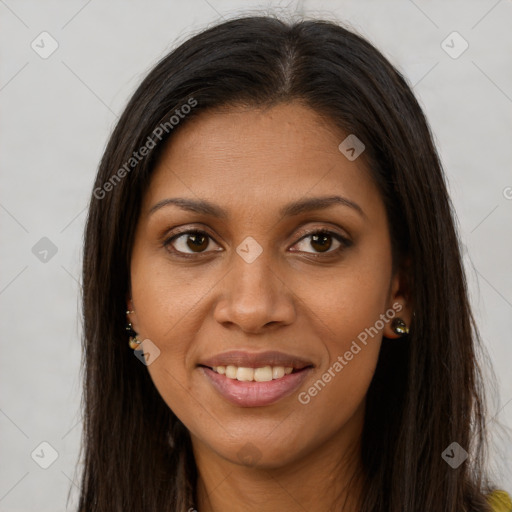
(295, 208)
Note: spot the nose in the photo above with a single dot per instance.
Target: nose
(254, 297)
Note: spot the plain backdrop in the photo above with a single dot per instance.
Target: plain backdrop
(58, 111)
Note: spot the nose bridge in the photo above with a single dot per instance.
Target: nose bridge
(254, 294)
(254, 280)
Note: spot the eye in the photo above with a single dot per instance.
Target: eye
(323, 241)
(189, 242)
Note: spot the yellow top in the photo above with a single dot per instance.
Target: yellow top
(500, 501)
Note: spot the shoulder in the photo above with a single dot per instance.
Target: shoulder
(500, 501)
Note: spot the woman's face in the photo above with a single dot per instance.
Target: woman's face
(257, 279)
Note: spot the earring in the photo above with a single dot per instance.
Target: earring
(133, 341)
(399, 326)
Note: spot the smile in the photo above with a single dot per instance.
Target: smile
(251, 392)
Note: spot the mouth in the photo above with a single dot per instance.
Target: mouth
(255, 379)
(255, 366)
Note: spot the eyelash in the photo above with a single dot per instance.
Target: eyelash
(344, 242)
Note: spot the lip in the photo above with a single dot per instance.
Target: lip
(256, 359)
(255, 394)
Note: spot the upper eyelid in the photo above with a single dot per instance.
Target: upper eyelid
(168, 237)
(312, 231)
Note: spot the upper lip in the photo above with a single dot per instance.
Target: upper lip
(245, 359)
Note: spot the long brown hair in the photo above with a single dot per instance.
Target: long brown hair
(427, 390)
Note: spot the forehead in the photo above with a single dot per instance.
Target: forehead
(249, 157)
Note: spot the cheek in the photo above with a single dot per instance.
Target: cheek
(353, 317)
(166, 298)
(351, 299)
(164, 304)
(348, 308)
(170, 309)
(348, 319)
(169, 325)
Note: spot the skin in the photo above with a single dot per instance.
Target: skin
(293, 297)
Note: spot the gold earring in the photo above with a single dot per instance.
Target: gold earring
(133, 342)
(399, 326)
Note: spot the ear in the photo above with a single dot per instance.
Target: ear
(399, 302)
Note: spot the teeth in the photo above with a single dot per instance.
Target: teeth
(231, 372)
(278, 372)
(263, 374)
(245, 374)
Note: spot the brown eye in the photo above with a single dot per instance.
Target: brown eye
(189, 242)
(322, 242)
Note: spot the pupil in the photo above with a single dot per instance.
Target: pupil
(321, 239)
(196, 241)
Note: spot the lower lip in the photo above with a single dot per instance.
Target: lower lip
(255, 394)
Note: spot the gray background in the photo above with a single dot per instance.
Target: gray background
(57, 114)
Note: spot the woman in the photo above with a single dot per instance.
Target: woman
(270, 232)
